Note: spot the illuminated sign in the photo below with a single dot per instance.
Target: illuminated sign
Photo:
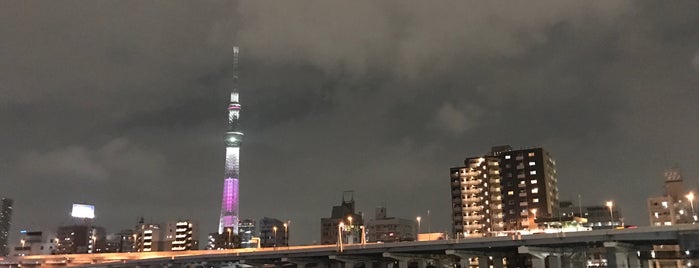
(83, 211)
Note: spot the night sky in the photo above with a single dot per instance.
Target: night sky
(122, 104)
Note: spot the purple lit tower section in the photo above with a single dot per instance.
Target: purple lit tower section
(233, 138)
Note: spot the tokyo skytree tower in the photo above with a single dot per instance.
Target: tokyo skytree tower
(233, 139)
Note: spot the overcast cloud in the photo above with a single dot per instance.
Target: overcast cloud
(121, 104)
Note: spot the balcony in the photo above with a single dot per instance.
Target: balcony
(471, 199)
(473, 218)
(471, 209)
(471, 191)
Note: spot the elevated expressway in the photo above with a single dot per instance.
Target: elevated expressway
(618, 248)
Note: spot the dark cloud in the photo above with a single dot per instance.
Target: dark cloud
(122, 104)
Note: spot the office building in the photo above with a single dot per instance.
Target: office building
(344, 220)
(35, 243)
(5, 220)
(389, 229)
(233, 139)
(246, 231)
(675, 206)
(75, 239)
(123, 241)
(273, 233)
(595, 217)
(503, 191)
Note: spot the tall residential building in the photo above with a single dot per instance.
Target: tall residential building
(185, 235)
(273, 233)
(389, 229)
(343, 214)
(505, 190)
(233, 138)
(5, 219)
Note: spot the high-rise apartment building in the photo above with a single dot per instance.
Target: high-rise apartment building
(505, 190)
(185, 236)
(5, 219)
(233, 139)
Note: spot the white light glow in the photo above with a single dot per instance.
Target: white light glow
(83, 211)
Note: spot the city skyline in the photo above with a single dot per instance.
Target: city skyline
(121, 105)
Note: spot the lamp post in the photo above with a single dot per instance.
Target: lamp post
(610, 204)
(339, 235)
(350, 237)
(533, 210)
(286, 233)
(275, 236)
(418, 224)
(690, 197)
(363, 234)
(228, 242)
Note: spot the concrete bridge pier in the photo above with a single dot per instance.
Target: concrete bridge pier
(303, 262)
(351, 261)
(623, 255)
(405, 259)
(540, 255)
(576, 259)
(465, 258)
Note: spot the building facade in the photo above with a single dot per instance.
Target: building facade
(85, 238)
(344, 215)
(246, 231)
(503, 191)
(233, 139)
(273, 233)
(675, 206)
(389, 229)
(5, 220)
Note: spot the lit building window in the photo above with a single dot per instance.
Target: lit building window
(507, 156)
(664, 204)
(536, 200)
(510, 193)
(535, 190)
(533, 172)
(532, 163)
(533, 181)
(655, 214)
(530, 154)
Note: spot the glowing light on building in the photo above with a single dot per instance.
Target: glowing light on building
(233, 138)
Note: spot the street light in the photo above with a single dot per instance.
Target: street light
(286, 233)
(275, 236)
(690, 197)
(351, 233)
(610, 204)
(228, 242)
(339, 235)
(363, 234)
(418, 224)
(533, 210)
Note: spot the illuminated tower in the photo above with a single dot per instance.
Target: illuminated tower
(233, 138)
